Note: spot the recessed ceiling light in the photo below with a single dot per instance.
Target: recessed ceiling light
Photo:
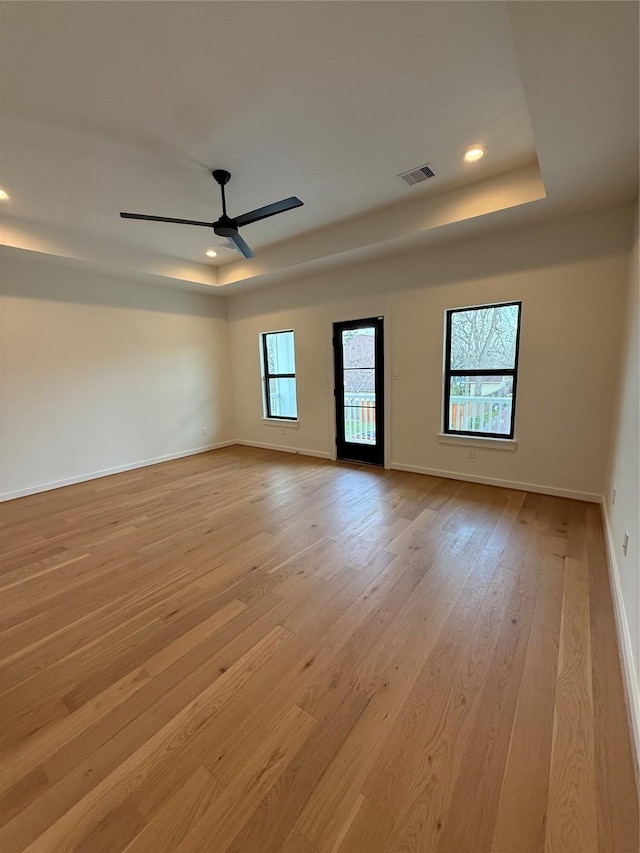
(4, 196)
(211, 253)
(476, 152)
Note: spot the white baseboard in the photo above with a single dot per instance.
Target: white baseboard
(433, 472)
(505, 484)
(624, 638)
(319, 454)
(106, 472)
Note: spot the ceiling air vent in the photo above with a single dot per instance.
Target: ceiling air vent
(417, 175)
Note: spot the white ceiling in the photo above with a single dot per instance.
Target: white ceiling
(128, 106)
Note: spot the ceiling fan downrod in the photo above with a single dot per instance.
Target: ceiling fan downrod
(221, 177)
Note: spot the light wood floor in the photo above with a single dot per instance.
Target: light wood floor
(252, 651)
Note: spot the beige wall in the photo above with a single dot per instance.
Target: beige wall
(571, 276)
(624, 476)
(101, 372)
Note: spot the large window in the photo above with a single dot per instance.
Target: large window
(279, 373)
(481, 369)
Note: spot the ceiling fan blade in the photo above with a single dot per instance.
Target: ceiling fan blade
(240, 244)
(268, 210)
(165, 219)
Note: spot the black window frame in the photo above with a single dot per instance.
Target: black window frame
(267, 376)
(449, 372)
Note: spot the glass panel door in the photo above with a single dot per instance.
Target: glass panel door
(359, 387)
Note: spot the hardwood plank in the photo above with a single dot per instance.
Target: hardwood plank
(572, 802)
(38, 813)
(114, 831)
(470, 817)
(273, 819)
(297, 843)
(616, 781)
(192, 638)
(227, 646)
(46, 743)
(477, 601)
(231, 810)
(333, 643)
(18, 795)
(27, 720)
(339, 788)
(75, 636)
(522, 810)
(422, 796)
(183, 810)
(68, 830)
(370, 829)
(549, 594)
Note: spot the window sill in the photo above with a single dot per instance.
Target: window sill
(281, 422)
(479, 441)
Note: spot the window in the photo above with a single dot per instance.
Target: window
(481, 369)
(279, 372)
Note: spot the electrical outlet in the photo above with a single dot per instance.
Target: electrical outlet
(625, 544)
(283, 431)
(396, 374)
(613, 497)
(471, 453)
(204, 430)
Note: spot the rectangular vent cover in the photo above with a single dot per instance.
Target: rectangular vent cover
(417, 175)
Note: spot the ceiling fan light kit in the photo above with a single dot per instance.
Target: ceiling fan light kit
(227, 226)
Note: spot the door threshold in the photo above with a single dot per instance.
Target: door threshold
(359, 462)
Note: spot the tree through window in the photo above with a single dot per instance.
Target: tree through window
(481, 365)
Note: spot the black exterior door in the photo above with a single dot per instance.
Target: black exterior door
(358, 351)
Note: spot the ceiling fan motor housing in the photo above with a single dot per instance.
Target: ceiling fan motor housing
(221, 176)
(225, 226)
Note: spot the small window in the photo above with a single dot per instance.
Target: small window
(481, 370)
(279, 374)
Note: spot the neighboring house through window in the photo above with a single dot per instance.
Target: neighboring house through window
(279, 375)
(481, 370)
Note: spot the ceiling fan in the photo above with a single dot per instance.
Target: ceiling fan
(228, 226)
